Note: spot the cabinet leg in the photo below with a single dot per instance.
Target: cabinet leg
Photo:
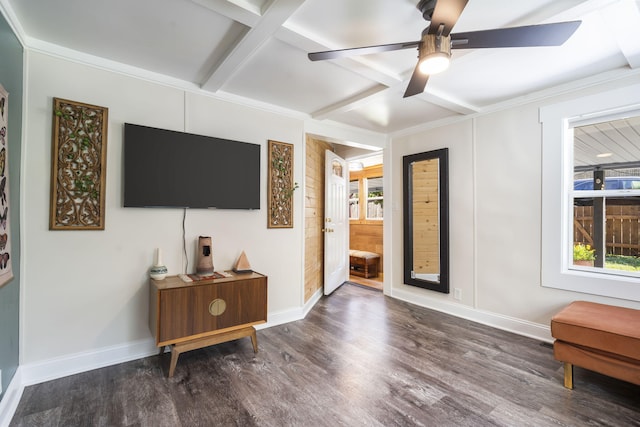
(177, 349)
(254, 340)
(174, 360)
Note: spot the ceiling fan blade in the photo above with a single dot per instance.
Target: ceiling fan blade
(531, 35)
(446, 14)
(341, 53)
(417, 83)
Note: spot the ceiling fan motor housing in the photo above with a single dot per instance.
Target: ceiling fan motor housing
(433, 44)
(434, 53)
(426, 7)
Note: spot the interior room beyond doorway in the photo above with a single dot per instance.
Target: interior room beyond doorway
(366, 219)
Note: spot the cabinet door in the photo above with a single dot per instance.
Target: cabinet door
(252, 300)
(214, 307)
(244, 301)
(175, 321)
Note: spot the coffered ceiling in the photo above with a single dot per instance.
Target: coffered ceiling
(255, 51)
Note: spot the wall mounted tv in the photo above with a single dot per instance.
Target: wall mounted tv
(164, 168)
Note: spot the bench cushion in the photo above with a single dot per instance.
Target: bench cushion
(603, 327)
(363, 254)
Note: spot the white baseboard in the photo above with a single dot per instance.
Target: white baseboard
(11, 398)
(506, 323)
(286, 316)
(312, 302)
(46, 370)
(281, 317)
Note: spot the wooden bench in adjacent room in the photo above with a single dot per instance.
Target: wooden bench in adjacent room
(363, 263)
(598, 337)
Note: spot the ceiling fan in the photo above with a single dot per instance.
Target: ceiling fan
(434, 47)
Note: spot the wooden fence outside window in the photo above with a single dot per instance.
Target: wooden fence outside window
(622, 230)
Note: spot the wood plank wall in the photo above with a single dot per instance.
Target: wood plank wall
(314, 215)
(367, 237)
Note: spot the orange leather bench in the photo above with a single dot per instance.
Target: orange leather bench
(598, 337)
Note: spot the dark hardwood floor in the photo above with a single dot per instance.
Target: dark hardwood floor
(358, 359)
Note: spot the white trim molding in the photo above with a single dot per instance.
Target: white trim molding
(59, 367)
(11, 398)
(494, 320)
(286, 316)
(556, 178)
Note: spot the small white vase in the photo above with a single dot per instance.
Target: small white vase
(158, 271)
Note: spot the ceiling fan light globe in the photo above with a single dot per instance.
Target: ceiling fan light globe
(434, 63)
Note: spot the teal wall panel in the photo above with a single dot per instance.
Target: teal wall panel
(11, 77)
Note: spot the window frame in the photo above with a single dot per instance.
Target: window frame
(375, 171)
(367, 198)
(593, 194)
(558, 120)
(354, 201)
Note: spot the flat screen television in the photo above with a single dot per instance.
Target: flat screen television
(164, 168)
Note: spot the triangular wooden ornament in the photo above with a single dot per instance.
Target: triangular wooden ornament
(242, 264)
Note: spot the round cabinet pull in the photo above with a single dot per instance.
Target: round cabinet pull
(217, 307)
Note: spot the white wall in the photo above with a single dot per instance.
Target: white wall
(458, 139)
(495, 218)
(87, 290)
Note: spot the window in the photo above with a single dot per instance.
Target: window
(366, 195)
(605, 197)
(354, 198)
(586, 199)
(374, 197)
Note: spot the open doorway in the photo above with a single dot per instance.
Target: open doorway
(314, 212)
(366, 219)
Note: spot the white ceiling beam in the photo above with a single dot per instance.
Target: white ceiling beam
(272, 19)
(443, 100)
(367, 97)
(255, 6)
(357, 65)
(623, 19)
(363, 98)
(244, 15)
(560, 11)
(371, 95)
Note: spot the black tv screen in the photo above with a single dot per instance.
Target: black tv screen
(164, 168)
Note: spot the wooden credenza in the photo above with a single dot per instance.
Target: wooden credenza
(201, 313)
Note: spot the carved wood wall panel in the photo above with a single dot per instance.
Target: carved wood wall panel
(280, 185)
(78, 166)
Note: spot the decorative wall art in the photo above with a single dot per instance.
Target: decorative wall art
(79, 166)
(280, 185)
(6, 274)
